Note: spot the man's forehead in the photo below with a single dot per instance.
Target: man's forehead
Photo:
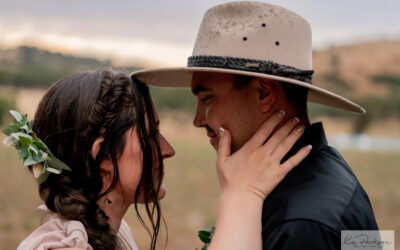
(205, 81)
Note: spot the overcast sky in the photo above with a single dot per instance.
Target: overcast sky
(164, 31)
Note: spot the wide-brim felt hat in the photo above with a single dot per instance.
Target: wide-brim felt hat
(252, 39)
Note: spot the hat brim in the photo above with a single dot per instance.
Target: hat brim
(182, 77)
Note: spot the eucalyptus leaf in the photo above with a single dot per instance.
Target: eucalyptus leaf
(37, 157)
(56, 163)
(20, 134)
(12, 128)
(43, 177)
(23, 153)
(17, 115)
(34, 149)
(40, 145)
(53, 170)
(25, 120)
(30, 161)
(26, 128)
(25, 142)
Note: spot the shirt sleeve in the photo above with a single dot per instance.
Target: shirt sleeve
(57, 233)
(302, 234)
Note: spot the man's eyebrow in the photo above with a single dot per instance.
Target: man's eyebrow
(200, 88)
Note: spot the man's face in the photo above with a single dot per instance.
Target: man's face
(219, 104)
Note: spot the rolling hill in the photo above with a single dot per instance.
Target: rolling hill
(33, 67)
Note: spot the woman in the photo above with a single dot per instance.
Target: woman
(104, 127)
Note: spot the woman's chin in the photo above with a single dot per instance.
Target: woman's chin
(162, 192)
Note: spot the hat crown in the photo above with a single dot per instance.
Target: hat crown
(256, 30)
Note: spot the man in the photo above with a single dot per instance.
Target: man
(250, 60)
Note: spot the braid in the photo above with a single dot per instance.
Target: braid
(115, 93)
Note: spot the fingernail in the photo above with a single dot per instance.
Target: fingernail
(221, 131)
(301, 129)
(295, 121)
(308, 149)
(281, 114)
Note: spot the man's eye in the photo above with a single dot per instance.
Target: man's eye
(206, 99)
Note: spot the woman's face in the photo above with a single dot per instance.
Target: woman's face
(130, 164)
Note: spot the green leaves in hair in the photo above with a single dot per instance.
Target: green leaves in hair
(31, 149)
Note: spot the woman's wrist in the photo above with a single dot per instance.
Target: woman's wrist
(239, 219)
(241, 195)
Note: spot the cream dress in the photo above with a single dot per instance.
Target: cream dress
(60, 233)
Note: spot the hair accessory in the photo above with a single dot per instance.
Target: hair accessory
(31, 149)
(106, 201)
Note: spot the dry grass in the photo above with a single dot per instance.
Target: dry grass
(358, 62)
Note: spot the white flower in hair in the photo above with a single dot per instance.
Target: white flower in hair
(37, 170)
(45, 156)
(10, 141)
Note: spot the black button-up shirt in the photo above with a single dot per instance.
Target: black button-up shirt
(316, 200)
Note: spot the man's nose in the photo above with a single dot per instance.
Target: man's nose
(198, 120)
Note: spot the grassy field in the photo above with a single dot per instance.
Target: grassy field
(192, 188)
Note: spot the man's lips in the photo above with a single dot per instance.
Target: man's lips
(212, 135)
(210, 132)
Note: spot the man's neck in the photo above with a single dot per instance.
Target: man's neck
(303, 117)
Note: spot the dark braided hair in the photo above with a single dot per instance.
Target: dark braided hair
(73, 113)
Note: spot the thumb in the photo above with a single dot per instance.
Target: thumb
(224, 145)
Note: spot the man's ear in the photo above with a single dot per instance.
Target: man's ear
(267, 93)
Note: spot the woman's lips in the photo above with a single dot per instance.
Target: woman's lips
(213, 140)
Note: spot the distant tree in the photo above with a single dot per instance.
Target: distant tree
(5, 105)
(173, 99)
(33, 67)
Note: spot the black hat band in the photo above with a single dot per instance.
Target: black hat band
(252, 65)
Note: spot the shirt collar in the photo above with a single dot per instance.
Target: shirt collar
(313, 135)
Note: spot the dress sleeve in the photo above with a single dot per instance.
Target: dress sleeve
(125, 236)
(302, 234)
(57, 233)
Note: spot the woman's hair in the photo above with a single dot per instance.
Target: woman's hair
(73, 113)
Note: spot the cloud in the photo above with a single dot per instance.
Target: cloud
(164, 31)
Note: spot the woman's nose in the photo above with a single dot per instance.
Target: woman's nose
(167, 150)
